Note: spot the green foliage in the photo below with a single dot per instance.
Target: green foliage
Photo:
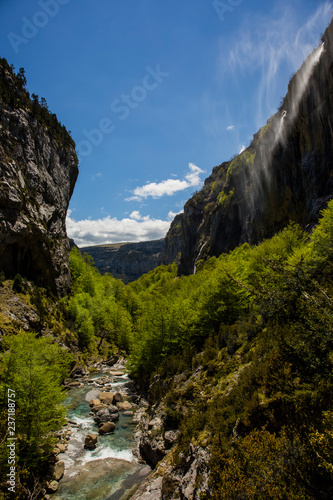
(34, 368)
(98, 307)
(257, 325)
(224, 199)
(240, 164)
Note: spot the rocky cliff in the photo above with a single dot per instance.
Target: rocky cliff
(38, 169)
(285, 173)
(127, 261)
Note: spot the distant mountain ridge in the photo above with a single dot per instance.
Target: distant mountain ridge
(127, 261)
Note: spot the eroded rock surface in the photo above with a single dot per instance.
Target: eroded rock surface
(38, 171)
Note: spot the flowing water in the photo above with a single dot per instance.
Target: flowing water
(111, 471)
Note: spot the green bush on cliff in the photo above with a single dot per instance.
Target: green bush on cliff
(240, 164)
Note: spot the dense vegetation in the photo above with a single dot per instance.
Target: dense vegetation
(250, 337)
(256, 327)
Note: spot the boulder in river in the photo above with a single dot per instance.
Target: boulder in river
(90, 441)
(106, 397)
(95, 409)
(58, 470)
(107, 428)
(95, 402)
(118, 398)
(110, 414)
(124, 406)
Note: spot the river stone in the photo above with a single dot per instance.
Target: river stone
(128, 413)
(61, 447)
(106, 397)
(95, 402)
(58, 470)
(52, 486)
(124, 406)
(113, 409)
(107, 428)
(56, 451)
(90, 441)
(107, 415)
(95, 409)
(118, 398)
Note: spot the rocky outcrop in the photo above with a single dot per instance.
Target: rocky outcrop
(285, 174)
(38, 169)
(127, 261)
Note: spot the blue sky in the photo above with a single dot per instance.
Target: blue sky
(155, 93)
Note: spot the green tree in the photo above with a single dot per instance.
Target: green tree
(34, 368)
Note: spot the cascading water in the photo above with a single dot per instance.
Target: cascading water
(110, 470)
(260, 175)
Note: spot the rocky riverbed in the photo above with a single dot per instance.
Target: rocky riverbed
(94, 452)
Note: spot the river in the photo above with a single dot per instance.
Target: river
(111, 471)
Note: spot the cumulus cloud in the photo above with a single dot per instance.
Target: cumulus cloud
(230, 127)
(135, 228)
(169, 186)
(273, 44)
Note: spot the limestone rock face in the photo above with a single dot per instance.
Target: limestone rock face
(38, 172)
(285, 174)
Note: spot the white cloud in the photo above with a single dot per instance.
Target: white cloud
(242, 149)
(136, 228)
(172, 215)
(169, 186)
(135, 215)
(230, 127)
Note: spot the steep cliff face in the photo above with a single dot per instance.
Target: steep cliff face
(38, 169)
(285, 174)
(127, 261)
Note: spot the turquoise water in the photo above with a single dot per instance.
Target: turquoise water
(108, 472)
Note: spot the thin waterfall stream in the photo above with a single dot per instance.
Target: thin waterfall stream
(110, 471)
